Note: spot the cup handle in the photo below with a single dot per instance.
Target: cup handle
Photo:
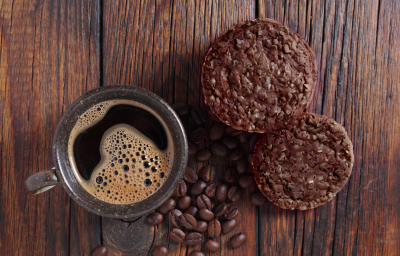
(42, 181)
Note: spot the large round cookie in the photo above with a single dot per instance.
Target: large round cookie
(305, 166)
(257, 75)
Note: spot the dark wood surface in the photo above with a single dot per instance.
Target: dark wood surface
(53, 51)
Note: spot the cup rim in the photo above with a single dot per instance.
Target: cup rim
(63, 165)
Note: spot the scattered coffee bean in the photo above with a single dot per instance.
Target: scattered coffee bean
(214, 229)
(182, 189)
(232, 131)
(231, 213)
(161, 250)
(216, 131)
(192, 210)
(198, 135)
(194, 238)
(155, 218)
(198, 188)
(228, 226)
(198, 115)
(250, 157)
(238, 240)
(202, 226)
(100, 251)
(184, 202)
(210, 190)
(220, 209)
(203, 202)
(234, 193)
(181, 108)
(177, 235)
(190, 175)
(188, 221)
(174, 216)
(241, 165)
(230, 175)
(212, 245)
(197, 253)
(221, 192)
(230, 142)
(219, 149)
(167, 206)
(192, 148)
(258, 198)
(237, 154)
(208, 173)
(203, 155)
(243, 137)
(246, 180)
(212, 116)
(206, 214)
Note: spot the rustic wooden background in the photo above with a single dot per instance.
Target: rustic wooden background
(53, 51)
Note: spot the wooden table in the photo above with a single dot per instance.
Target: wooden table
(51, 52)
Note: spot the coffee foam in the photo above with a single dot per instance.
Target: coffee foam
(131, 168)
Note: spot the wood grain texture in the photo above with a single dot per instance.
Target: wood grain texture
(49, 56)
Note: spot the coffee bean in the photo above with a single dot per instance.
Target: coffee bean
(198, 188)
(177, 235)
(258, 198)
(232, 131)
(100, 251)
(230, 142)
(231, 213)
(181, 108)
(182, 189)
(198, 115)
(206, 214)
(237, 154)
(192, 148)
(155, 218)
(197, 253)
(203, 155)
(198, 135)
(203, 202)
(212, 245)
(210, 190)
(212, 116)
(161, 250)
(238, 240)
(234, 193)
(192, 210)
(167, 206)
(188, 221)
(184, 202)
(219, 149)
(243, 137)
(214, 229)
(220, 209)
(174, 216)
(194, 238)
(230, 175)
(190, 175)
(228, 226)
(216, 131)
(250, 157)
(222, 189)
(246, 180)
(208, 173)
(241, 165)
(202, 226)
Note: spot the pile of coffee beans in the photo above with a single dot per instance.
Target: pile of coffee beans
(201, 208)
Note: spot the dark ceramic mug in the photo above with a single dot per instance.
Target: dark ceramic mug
(63, 174)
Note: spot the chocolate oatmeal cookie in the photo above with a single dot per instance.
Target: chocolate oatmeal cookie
(258, 75)
(305, 166)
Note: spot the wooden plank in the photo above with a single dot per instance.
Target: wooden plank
(355, 44)
(49, 57)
